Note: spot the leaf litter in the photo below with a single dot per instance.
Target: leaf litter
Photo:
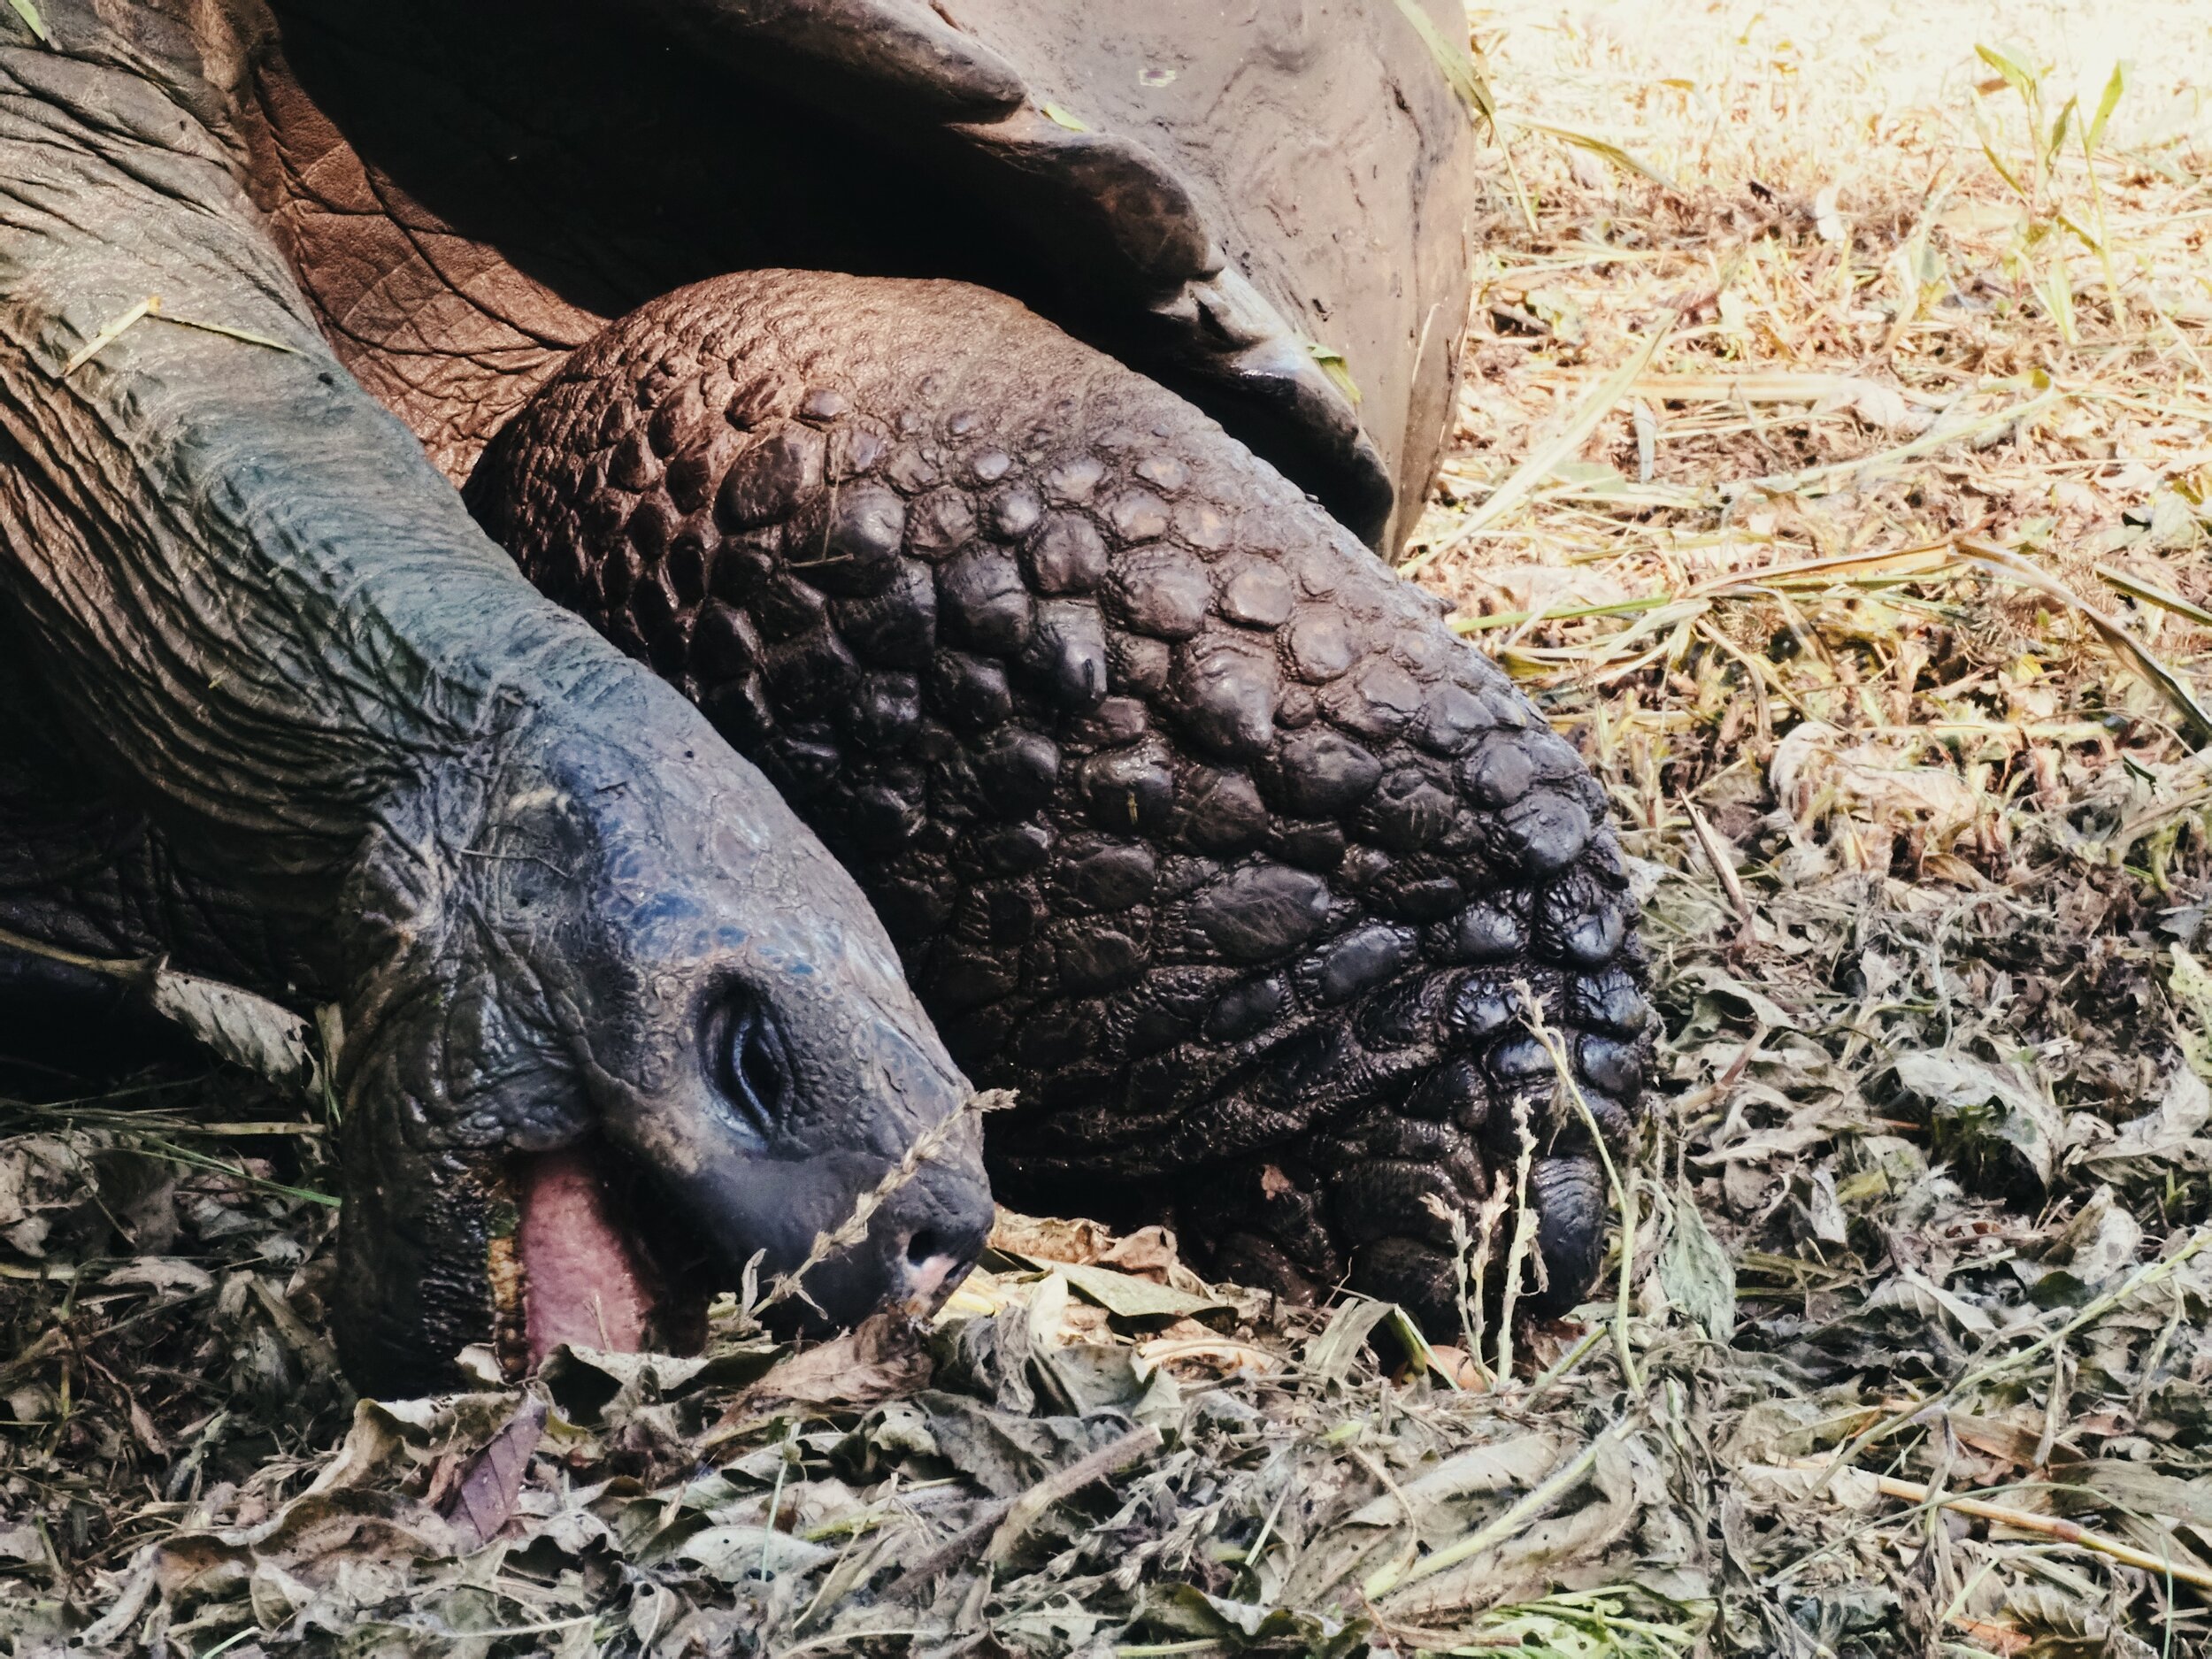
(1835, 466)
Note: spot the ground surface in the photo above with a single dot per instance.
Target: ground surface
(1836, 471)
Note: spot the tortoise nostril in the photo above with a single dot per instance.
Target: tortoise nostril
(932, 1269)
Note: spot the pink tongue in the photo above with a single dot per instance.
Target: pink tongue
(583, 1282)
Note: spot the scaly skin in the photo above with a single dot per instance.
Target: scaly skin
(1194, 824)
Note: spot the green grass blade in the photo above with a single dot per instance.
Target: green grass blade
(2151, 594)
(1606, 148)
(2106, 104)
(27, 10)
(1457, 63)
(2017, 75)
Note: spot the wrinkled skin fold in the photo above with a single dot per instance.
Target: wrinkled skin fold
(283, 713)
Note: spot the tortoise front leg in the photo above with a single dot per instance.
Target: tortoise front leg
(1194, 824)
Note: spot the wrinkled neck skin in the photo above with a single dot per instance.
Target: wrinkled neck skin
(529, 871)
(329, 674)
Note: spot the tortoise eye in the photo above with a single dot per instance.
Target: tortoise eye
(750, 1067)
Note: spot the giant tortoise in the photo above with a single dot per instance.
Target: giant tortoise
(983, 415)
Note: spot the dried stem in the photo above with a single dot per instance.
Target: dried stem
(854, 1228)
(1623, 1191)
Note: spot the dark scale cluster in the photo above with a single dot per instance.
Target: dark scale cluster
(1195, 826)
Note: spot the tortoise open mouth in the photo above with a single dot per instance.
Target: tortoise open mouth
(595, 1258)
(586, 1265)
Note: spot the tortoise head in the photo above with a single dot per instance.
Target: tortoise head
(631, 1033)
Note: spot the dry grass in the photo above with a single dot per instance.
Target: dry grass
(1840, 483)
(1899, 330)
